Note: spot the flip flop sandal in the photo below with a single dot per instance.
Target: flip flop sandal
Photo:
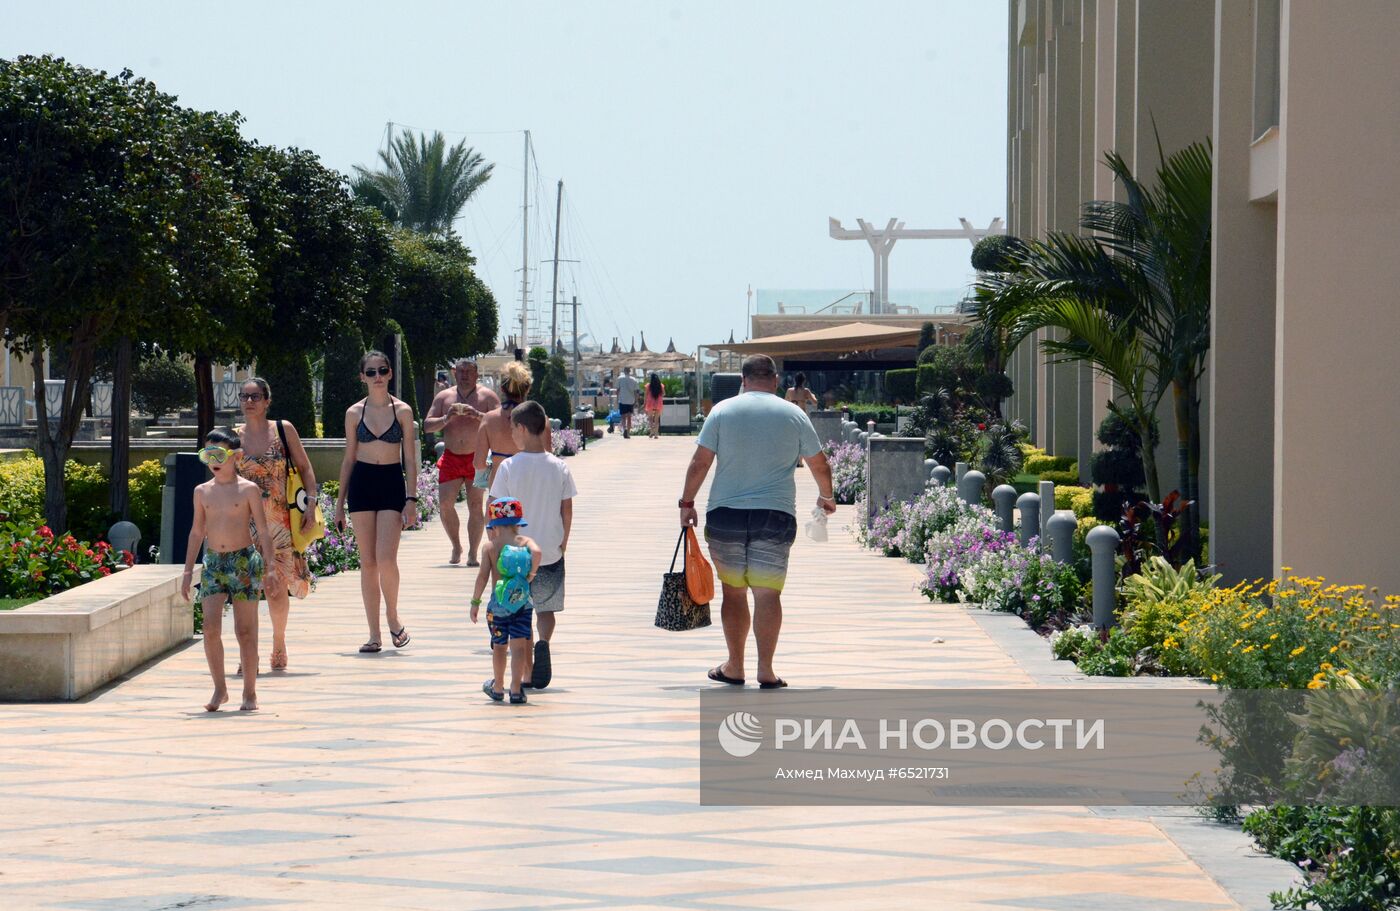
(489, 688)
(542, 672)
(401, 637)
(773, 684)
(718, 676)
(518, 698)
(370, 647)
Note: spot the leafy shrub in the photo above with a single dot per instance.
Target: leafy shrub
(1160, 581)
(553, 395)
(160, 386)
(862, 412)
(1074, 498)
(22, 495)
(1350, 856)
(1041, 462)
(935, 377)
(146, 483)
(34, 562)
(900, 384)
(992, 388)
(1117, 468)
(1110, 656)
(996, 253)
(1069, 478)
(935, 510)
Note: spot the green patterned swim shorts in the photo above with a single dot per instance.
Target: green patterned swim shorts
(237, 573)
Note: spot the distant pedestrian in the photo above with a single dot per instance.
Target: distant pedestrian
(801, 396)
(757, 439)
(543, 484)
(224, 511)
(511, 560)
(627, 387)
(655, 402)
(496, 441)
(379, 487)
(458, 411)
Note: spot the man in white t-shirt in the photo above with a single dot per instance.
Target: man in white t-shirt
(627, 387)
(545, 487)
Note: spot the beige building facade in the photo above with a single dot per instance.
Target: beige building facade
(1301, 101)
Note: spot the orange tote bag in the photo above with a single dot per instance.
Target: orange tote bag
(699, 574)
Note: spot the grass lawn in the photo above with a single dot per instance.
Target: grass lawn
(12, 603)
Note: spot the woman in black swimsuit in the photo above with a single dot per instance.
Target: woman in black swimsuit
(380, 440)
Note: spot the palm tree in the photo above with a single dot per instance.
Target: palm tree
(1132, 298)
(421, 183)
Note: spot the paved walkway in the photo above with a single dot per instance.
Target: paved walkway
(389, 782)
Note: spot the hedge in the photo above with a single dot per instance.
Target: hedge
(900, 385)
(1068, 478)
(1041, 463)
(89, 519)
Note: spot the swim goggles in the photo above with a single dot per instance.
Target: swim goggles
(214, 455)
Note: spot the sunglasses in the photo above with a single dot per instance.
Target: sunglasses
(376, 371)
(250, 396)
(214, 455)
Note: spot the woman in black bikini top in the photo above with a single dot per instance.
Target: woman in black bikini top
(380, 496)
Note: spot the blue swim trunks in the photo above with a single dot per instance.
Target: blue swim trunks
(511, 626)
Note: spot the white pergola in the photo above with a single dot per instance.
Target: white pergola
(882, 242)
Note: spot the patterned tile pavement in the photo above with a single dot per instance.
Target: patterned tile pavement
(388, 781)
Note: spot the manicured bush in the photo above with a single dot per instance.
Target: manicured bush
(553, 395)
(1078, 499)
(22, 495)
(1042, 463)
(862, 412)
(342, 387)
(161, 386)
(289, 376)
(1068, 478)
(1117, 468)
(996, 252)
(934, 378)
(900, 385)
(146, 483)
(993, 388)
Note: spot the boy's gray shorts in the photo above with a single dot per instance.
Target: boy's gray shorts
(547, 589)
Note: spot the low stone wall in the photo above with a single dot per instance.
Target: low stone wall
(66, 646)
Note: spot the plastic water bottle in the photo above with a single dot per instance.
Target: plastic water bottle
(816, 527)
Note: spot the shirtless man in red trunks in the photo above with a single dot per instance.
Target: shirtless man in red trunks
(457, 412)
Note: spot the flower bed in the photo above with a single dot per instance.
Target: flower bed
(847, 461)
(36, 563)
(567, 442)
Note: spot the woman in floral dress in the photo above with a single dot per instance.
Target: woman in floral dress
(265, 464)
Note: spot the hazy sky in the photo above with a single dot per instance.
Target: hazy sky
(702, 144)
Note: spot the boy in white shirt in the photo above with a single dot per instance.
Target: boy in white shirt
(544, 486)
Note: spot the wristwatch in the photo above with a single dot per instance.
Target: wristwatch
(686, 504)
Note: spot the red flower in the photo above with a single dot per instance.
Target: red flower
(128, 558)
(981, 426)
(45, 532)
(105, 571)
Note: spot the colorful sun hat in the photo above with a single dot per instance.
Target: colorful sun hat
(506, 512)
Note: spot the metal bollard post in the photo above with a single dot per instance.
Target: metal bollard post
(1029, 505)
(1103, 544)
(960, 469)
(1061, 533)
(970, 487)
(870, 427)
(125, 536)
(940, 475)
(1047, 509)
(1004, 496)
(929, 466)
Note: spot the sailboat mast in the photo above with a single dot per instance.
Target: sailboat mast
(554, 297)
(525, 249)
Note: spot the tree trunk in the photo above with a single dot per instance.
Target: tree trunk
(120, 501)
(1149, 470)
(1193, 423)
(204, 394)
(1188, 456)
(54, 452)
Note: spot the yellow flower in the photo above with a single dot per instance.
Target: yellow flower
(1316, 684)
(1273, 637)
(1247, 649)
(1297, 651)
(1326, 665)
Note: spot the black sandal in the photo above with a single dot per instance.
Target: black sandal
(370, 647)
(772, 684)
(718, 676)
(400, 638)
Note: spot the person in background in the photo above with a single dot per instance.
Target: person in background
(380, 440)
(495, 439)
(801, 396)
(457, 411)
(267, 448)
(655, 399)
(627, 387)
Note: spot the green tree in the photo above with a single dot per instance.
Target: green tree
(394, 343)
(163, 385)
(553, 393)
(422, 184)
(107, 190)
(435, 301)
(342, 386)
(927, 338)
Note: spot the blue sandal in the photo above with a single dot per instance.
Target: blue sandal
(489, 688)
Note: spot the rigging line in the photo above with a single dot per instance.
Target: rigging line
(409, 126)
(588, 239)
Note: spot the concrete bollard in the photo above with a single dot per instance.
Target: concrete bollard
(960, 469)
(125, 536)
(1047, 509)
(1103, 544)
(940, 475)
(1004, 496)
(894, 472)
(1061, 536)
(1029, 505)
(862, 437)
(849, 431)
(870, 427)
(970, 487)
(440, 448)
(929, 466)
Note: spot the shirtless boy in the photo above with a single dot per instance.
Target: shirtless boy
(457, 412)
(224, 510)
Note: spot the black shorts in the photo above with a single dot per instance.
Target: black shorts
(625, 409)
(375, 488)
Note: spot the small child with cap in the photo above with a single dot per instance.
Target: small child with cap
(510, 560)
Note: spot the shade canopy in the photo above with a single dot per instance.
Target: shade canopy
(843, 338)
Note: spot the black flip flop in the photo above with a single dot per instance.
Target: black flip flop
(542, 673)
(772, 684)
(370, 647)
(718, 676)
(400, 638)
